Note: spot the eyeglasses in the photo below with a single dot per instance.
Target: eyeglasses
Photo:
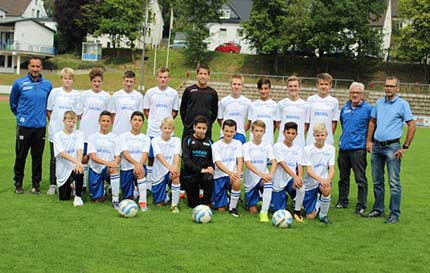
(390, 86)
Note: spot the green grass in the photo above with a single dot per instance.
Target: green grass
(42, 234)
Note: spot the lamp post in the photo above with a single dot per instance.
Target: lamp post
(142, 69)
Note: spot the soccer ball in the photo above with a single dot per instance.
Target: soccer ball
(282, 218)
(128, 208)
(202, 214)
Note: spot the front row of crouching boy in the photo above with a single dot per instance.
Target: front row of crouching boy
(215, 168)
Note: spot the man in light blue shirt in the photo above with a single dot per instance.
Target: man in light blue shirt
(383, 141)
(354, 118)
(28, 99)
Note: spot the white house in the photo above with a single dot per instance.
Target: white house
(154, 31)
(25, 30)
(229, 29)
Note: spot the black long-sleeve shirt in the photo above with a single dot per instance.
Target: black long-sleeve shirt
(198, 101)
(196, 155)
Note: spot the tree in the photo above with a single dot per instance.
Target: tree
(70, 34)
(415, 35)
(117, 19)
(197, 14)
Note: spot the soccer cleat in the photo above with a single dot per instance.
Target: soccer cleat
(359, 211)
(143, 206)
(19, 190)
(325, 220)
(264, 218)
(374, 214)
(52, 189)
(174, 208)
(298, 218)
(234, 213)
(391, 220)
(35, 190)
(115, 205)
(340, 206)
(182, 195)
(77, 202)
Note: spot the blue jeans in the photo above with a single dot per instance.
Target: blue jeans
(357, 161)
(382, 155)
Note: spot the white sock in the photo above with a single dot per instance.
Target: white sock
(267, 197)
(325, 205)
(114, 183)
(176, 189)
(149, 177)
(141, 184)
(84, 185)
(234, 198)
(300, 196)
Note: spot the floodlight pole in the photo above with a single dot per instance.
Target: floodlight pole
(170, 33)
(142, 69)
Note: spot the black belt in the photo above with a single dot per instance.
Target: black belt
(387, 142)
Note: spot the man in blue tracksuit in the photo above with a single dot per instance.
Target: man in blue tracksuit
(354, 118)
(27, 101)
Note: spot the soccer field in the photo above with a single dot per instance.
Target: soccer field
(41, 234)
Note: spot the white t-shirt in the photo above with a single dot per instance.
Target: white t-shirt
(168, 149)
(60, 101)
(292, 156)
(105, 147)
(258, 155)
(69, 143)
(136, 145)
(296, 111)
(319, 160)
(227, 154)
(235, 109)
(160, 103)
(322, 110)
(267, 111)
(92, 105)
(123, 104)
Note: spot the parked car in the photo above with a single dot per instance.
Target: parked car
(229, 47)
(178, 44)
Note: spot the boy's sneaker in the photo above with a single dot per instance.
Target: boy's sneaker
(359, 211)
(115, 204)
(298, 218)
(374, 214)
(52, 189)
(35, 190)
(174, 208)
(77, 202)
(143, 206)
(19, 190)
(325, 220)
(234, 213)
(264, 218)
(340, 206)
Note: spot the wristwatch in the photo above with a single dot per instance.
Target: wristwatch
(405, 146)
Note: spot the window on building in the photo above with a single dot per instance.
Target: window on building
(222, 33)
(32, 13)
(239, 33)
(225, 14)
(38, 14)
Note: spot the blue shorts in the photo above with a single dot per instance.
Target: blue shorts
(253, 196)
(151, 151)
(219, 193)
(310, 200)
(96, 183)
(128, 181)
(159, 190)
(279, 198)
(85, 149)
(240, 137)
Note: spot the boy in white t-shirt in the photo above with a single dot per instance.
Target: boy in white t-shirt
(294, 109)
(289, 173)
(235, 107)
(68, 148)
(167, 151)
(323, 108)
(104, 153)
(159, 102)
(124, 102)
(227, 156)
(93, 102)
(257, 175)
(134, 153)
(319, 160)
(60, 100)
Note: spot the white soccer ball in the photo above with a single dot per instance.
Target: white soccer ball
(282, 218)
(128, 208)
(202, 214)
